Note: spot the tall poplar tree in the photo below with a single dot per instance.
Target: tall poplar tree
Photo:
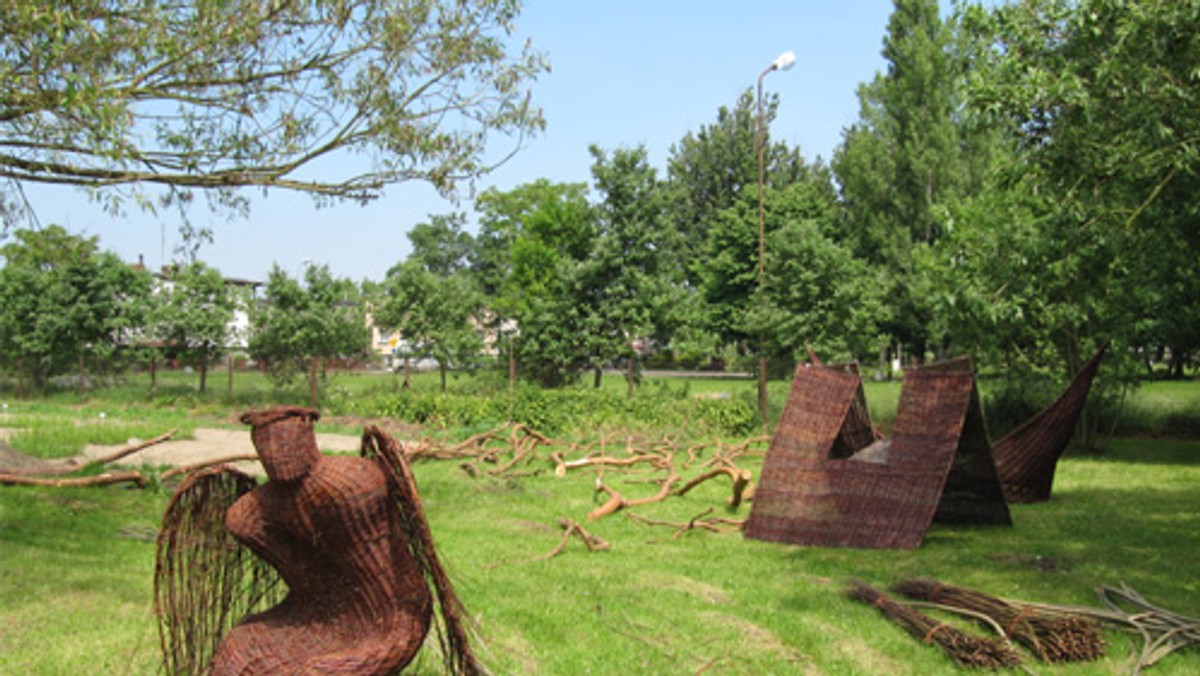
(911, 150)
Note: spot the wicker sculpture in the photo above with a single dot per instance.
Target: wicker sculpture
(346, 535)
(1027, 456)
(937, 465)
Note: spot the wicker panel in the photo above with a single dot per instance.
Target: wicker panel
(856, 432)
(1027, 457)
(807, 497)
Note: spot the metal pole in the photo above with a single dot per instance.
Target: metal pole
(762, 340)
(784, 62)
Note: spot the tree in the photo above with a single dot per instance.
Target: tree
(708, 171)
(433, 312)
(441, 245)
(530, 243)
(216, 96)
(913, 150)
(192, 316)
(630, 279)
(303, 323)
(63, 302)
(1101, 96)
(816, 293)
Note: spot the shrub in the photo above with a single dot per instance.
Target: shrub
(562, 411)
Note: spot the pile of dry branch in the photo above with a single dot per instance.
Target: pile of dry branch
(516, 450)
(966, 649)
(1052, 636)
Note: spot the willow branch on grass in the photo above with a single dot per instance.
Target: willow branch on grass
(187, 469)
(740, 479)
(1054, 637)
(715, 525)
(10, 479)
(134, 448)
(571, 528)
(616, 502)
(965, 649)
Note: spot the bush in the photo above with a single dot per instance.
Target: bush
(563, 411)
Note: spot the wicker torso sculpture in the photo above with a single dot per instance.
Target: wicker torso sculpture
(328, 526)
(346, 534)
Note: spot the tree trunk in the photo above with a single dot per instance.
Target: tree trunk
(20, 378)
(229, 386)
(442, 370)
(629, 379)
(407, 374)
(312, 382)
(153, 374)
(203, 372)
(597, 377)
(82, 375)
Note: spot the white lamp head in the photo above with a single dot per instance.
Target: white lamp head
(785, 61)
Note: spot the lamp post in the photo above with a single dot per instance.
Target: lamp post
(785, 61)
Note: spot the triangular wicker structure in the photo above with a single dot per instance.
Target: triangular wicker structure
(1027, 456)
(936, 465)
(856, 432)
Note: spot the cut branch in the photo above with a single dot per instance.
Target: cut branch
(616, 502)
(739, 477)
(570, 527)
(134, 448)
(716, 525)
(187, 469)
(98, 480)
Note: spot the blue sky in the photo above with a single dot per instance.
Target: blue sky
(624, 73)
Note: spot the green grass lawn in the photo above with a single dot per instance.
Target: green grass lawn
(77, 571)
(76, 565)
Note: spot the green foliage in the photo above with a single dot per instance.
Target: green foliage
(219, 95)
(711, 169)
(532, 242)
(190, 316)
(629, 280)
(914, 149)
(63, 301)
(816, 293)
(567, 411)
(434, 314)
(1101, 98)
(298, 323)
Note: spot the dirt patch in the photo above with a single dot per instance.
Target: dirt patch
(12, 460)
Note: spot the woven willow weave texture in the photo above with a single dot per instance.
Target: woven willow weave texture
(885, 495)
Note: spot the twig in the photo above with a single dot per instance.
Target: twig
(711, 525)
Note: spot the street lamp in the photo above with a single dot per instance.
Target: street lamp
(785, 61)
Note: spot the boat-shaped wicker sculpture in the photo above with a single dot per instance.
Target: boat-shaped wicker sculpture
(348, 537)
(937, 464)
(1027, 457)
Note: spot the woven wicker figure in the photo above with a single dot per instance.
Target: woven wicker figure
(358, 596)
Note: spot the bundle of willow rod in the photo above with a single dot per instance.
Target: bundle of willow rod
(1054, 637)
(965, 649)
